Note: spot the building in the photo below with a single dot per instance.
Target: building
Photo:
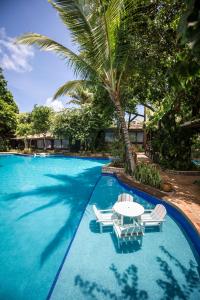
(38, 142)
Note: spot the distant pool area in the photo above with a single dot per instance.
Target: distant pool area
(196, 162)
(51, 246)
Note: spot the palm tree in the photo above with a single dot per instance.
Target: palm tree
(100, 59)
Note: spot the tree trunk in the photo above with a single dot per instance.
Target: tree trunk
(45, 142)
(129, 156)
(145, 132)
(129, 120)
(25, 144)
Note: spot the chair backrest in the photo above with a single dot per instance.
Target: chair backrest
(96, 212)
(124, 197)
(127, 231)
(159, 212)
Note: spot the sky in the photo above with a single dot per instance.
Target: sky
(33, 76)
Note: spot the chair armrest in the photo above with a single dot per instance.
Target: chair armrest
(148, 210)
(104, 221)
(153, 221)
(106, 210)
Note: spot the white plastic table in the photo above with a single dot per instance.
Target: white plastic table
(128, 209)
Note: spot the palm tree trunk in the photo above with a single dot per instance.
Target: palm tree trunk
(129, 157)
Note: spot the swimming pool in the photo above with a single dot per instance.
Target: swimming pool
(41, 209)
(41, 203)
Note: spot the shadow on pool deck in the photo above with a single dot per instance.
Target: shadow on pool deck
(128, 282)
(69, 195)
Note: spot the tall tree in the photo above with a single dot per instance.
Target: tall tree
(8, 110)
(100, 60)
(80, 124)
(24, 127)
(41, 120)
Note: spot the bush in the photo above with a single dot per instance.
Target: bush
(148, 174)
(4, 145)
(118, 153)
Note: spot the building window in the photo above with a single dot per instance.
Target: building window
(109, 137)
(48, 144)
(132, 136)
(65, 143)
(40, 144)
(140, 137)
(57, 144)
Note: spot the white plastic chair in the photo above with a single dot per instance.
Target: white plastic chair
(104, 217)
(154, 217)
(128, 233)
(125, 197)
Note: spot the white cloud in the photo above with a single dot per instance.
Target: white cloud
(56, 105)
(14, 56)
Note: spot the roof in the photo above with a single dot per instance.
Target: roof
(35, 136)
(191, 124)
(133, 126)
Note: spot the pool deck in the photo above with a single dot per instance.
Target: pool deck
(186, 194)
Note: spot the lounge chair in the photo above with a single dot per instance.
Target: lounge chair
(104, 217)
(41, 154)
(128, 233)
(125, 197)
(154, 217)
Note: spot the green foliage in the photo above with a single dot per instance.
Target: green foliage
(24, 127)
(196, 146)
(41, 119)
(148, 174)
(172, 144)
(5, 94)
(80, 124)
(190, 26)
(7, 120)
(8, 110)
(80, 96)
(118, 153)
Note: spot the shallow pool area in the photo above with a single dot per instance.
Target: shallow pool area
(51, 247)
(165, 267)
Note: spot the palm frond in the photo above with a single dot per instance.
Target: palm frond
(81, 67)
(77, 20)
(69, 86)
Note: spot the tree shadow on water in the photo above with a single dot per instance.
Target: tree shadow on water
(72, 194)
(127, 281)
(180, 284)
(172, 288)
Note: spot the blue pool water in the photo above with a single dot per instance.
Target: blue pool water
(42, 201)
(196, 162)
(165, 267)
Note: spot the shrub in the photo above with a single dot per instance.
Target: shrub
(118, 153)
(148, 174)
